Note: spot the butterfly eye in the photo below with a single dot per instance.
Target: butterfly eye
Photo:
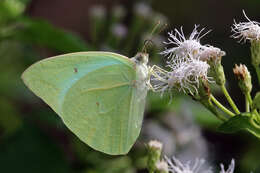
(141, 58)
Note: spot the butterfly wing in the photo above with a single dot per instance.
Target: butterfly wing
(95, 95)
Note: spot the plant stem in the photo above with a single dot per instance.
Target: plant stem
(249, 99)
(208, 104)
(229, 99)
(247, 105)
(257, 69)
(220, 106)
(250, 102)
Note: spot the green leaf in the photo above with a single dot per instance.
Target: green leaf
(244, 121)
(44, 34)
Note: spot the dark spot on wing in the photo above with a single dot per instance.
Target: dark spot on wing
(97, 103)
(75, 70)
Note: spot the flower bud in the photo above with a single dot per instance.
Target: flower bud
(154, 154)
(217, 70)
(244, 78)
(204, 89)
(161, 167)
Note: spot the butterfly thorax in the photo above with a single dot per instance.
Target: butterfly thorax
(142, 79)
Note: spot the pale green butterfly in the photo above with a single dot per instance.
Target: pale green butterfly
(100, 96)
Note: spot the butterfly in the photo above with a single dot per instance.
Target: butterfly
(100, 96)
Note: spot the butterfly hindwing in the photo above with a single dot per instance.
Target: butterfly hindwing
(94, 94)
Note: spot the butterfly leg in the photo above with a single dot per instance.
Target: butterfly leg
(159, 74)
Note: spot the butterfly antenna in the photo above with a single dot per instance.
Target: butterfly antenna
(149, 40)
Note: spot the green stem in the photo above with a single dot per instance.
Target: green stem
(250, 102)
(249, 98)
(257, 69)
(208, 104)
(247, 105)
(229, 99)
(220, 106)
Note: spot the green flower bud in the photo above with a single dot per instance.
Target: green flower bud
(154, 154)
(161, 167)
(244, 78)
(204, 89)
(217, 70)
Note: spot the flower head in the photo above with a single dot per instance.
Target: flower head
(162, 166)
(155, 145)
(175, 166)
(184, 46)
(230, 168)
(208, 52)
(189, 63)
(184, 76)
(244, 78)
(249, 30)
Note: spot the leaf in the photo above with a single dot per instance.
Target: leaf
(244, 121)
(44, 34)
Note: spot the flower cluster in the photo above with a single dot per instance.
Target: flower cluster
(175, 166)
(249, 30)
(187, 60)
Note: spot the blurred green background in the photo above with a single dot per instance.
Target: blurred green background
(34, 139)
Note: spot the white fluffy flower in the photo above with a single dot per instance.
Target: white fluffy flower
(175, 166)
(162, 166)
(207, 52)
(188, 63)
(184, 76)
(249, 30)
(230, 168)
(155, 144)
(183, 46)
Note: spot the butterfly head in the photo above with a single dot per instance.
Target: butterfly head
(141, 58)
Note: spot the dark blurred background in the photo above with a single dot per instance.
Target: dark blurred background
(34, 139)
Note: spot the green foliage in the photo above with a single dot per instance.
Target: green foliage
(11, 9)
(42, 33)
(244, 121)
(31, 151)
